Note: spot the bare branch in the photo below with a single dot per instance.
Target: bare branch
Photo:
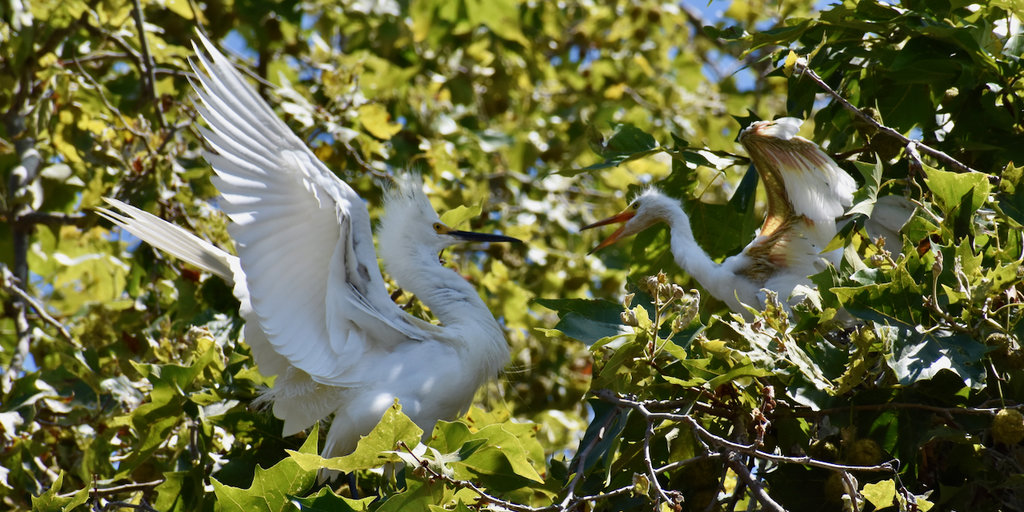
(9, 283)
(51, 219)
(755, 487)
(110, 106)
(148, 67)
(650, 467)
(581, 458)
(802, 68)
(721, 442)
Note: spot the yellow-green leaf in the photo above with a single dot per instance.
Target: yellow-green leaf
(881, 494)
(375, 118)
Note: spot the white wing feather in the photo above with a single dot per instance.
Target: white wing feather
(295, 223)
(816, 186)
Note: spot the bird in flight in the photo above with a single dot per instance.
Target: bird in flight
(806, 192)
(317, 311)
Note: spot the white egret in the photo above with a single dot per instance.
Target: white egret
(317, 312)
(806, 192)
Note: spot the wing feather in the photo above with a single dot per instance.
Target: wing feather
(303, 236)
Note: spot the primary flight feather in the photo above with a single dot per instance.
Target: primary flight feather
(318, 314)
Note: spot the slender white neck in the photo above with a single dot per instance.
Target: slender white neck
(454, 302)
(452, 299)
(688, 254)
(719, 279)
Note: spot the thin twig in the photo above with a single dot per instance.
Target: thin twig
(103, 98)
(802, 68)
(650, 467)
(10, 284)
(581, 458)
(132, 487)
(121, 504)
(52, 219)
(148, 67)
(611, 397)
(901, 405)
(755, 487)
(850, 485)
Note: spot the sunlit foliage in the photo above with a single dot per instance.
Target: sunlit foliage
(126, 384)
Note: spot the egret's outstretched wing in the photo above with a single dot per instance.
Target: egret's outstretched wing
(171, 239)
(303, 236)
(794, 167)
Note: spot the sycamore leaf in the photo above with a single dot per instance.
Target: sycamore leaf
(461, 213)
(272, 488)
(587, 320)
(881, 494)
(374, 450)
(327, 501)
(375, 118)
(53, 501)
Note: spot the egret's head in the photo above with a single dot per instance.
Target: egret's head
(410, 222)
(646, 210)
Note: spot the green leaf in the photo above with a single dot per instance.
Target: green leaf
(881, 494)
(374, 450)
(918, 355)
(747, 370)
(587, 320)
(493, 453)
(52, 501)
(955, 191)
(417, 496)
(327, 501)
(272, 488)
(460, 214)
(627, 142)
(375, 119)
(501, 16)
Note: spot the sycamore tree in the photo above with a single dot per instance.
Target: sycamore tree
(898, 385)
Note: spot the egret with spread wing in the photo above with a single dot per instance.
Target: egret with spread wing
(806, 192)
(317, 312)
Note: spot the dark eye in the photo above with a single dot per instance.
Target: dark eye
(438, 227)
(635, 205)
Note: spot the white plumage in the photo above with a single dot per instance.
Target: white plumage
(806, 192)
(318, 314)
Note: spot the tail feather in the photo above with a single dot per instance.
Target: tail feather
(171, 239)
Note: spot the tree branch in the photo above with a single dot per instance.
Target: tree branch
(9, 283)
(148, 67)
(755, 486)
(801, 68)
(752, 450)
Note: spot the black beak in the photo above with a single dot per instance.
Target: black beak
(472, 236)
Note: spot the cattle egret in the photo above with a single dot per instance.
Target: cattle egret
(806, 192)
(317, 312)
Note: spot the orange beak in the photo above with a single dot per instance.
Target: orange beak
(619, 233)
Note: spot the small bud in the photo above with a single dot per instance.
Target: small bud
(628, 318)
(627, 301)
(650, 285)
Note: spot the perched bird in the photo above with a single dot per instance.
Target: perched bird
(806, 192)
(317, 312)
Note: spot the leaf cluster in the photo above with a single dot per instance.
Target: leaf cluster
(126, 384)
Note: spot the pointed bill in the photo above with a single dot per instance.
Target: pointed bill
(615, 236)
(473, 236)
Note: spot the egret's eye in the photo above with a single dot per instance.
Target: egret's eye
(439, 228)
(635, 205)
